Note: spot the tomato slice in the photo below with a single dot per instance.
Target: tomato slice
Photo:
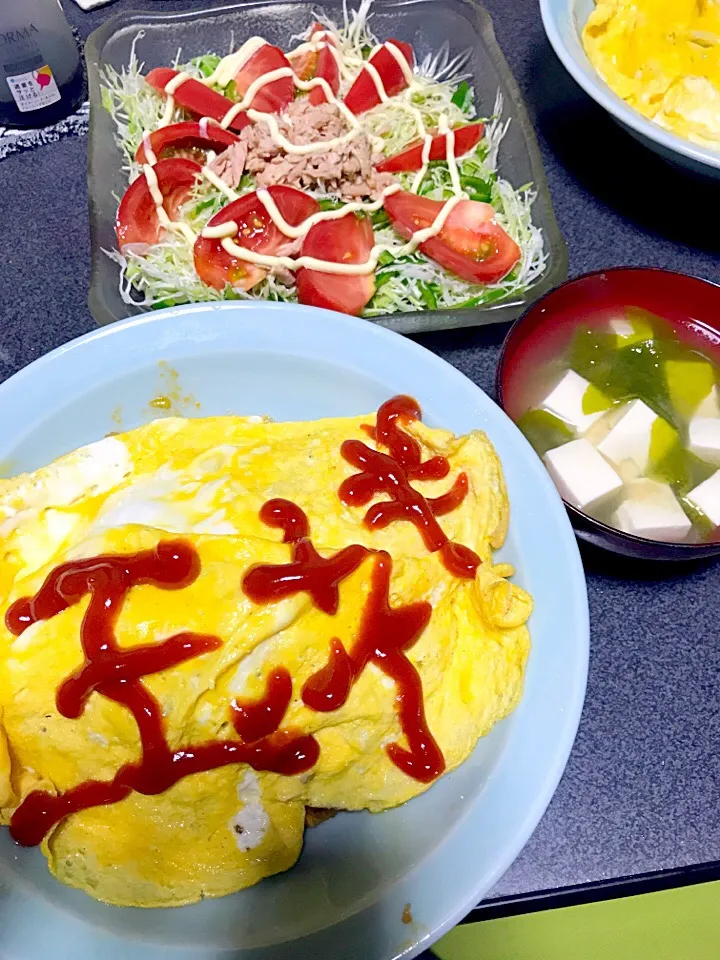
(346, 240)
(471, 244)
(411, 158)
(137, 219)
(319, 63)
(305, 64)
(187, 135)
(256, 231)
(363, 94)
(326, 68)
(327, 35)
(196, 98)
(275, 96)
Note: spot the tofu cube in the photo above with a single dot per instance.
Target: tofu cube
(565, 401)
(632, 328)
(651, 510)
(582, 476)
(637, 437)
(704, 439)
(706, 498)
(621, 327)
(710, 405)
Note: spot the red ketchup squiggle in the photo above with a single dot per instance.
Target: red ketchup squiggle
(386, 633)
(256, 719)
(307, 571)
(392, 472)
(116, 673)
(384, 636)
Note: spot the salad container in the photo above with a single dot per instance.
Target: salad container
(452, 28)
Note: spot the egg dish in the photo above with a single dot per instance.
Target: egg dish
(210, 626)
(663, 59)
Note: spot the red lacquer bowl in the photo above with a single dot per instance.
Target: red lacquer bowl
(689, 304)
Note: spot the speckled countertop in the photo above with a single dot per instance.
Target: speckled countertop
(641, 792)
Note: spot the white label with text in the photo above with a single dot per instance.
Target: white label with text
(34, 90)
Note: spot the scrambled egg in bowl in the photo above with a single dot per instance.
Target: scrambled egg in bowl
(210, 629)
(663, 58)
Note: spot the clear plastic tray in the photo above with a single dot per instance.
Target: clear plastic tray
(463, 24)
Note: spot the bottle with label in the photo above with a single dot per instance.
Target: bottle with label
(41, 74)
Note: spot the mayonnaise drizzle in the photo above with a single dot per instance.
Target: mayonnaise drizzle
(271, 120)
(315, 44)
(300, 149)
(420, 176)
(344, 269)
(179, 225)
(219, 184)
(310, 46)
(175, 82)
(377, 80)
(149, 152)
(336, 53)
(230, 228)
(167, 112)
(397, 53)
(230, 66)
(170, 88)
(295, 233)
(443, 128)
(227, 229)
(401, 62)
(225, 71)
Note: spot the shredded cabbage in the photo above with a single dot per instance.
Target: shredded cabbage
(166, 275)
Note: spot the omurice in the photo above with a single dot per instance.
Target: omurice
(211, 627)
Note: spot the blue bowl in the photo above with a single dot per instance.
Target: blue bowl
(564, 21)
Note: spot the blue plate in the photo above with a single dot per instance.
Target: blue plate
(441, 852)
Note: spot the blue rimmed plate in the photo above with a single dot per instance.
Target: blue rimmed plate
(441, 852)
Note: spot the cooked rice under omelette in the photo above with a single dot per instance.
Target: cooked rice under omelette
(215, 832)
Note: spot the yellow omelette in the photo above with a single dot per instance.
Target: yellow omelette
(663, 58)
(205, 480)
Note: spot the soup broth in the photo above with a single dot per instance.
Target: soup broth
(636, 403)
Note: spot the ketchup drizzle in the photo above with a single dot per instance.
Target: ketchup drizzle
(391, 473)
(385, 634)
(125, 665)
(307, 571)
(116, 673)
(255, 719)
(404, 448)
(329, 687)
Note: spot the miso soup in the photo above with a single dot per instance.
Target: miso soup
(625, 413)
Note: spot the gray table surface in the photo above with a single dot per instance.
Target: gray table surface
(640, 792)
